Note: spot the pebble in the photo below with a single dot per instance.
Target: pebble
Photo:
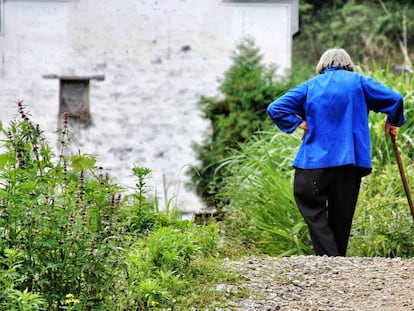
(313, 283)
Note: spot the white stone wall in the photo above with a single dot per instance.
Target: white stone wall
(145, 112)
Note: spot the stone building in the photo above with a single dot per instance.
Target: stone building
(135, 70)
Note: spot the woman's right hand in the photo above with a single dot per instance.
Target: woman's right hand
(304, 127)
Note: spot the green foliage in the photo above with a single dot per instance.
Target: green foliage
(58, 216)
(11, 276)
(140, 215)
(367, 29)
(69, 239)
(381, 147)
(161, 267)
(248, 87)
(383, 225)
(262, 211)
(167, 262)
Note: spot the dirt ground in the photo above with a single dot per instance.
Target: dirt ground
(317, 283)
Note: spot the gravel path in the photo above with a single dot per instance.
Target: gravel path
(322, 283)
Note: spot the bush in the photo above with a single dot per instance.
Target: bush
(248, 87)
(12, 275)
(58, 216)
(70, 239)
(160, 268)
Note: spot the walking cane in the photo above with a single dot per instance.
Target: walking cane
(403, 177)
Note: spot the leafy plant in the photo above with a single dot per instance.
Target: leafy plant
(69, 239)
(59, 213)
(11, 278)
(161, 269)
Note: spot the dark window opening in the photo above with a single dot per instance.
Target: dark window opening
(74, 99)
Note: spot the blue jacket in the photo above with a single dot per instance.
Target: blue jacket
(335, 105)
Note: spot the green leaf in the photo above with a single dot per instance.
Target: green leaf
(82, 162)
(4, 159)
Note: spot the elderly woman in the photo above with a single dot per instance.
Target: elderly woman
(332, 110)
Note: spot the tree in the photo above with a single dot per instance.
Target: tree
(240, 110)
(371, 31)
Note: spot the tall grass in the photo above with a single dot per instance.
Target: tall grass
(381, 148)
(262, 210)
(383, 225)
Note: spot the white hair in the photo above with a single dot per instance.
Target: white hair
(338, 58)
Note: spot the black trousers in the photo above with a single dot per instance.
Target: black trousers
(326, 199)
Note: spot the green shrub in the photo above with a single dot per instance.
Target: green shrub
(70, 239)
(58, 213)
(163, 267)
(380, 26)
(11, 277)
(248, 87)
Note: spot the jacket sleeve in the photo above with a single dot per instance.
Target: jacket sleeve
(287, 111)
(381, 98)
